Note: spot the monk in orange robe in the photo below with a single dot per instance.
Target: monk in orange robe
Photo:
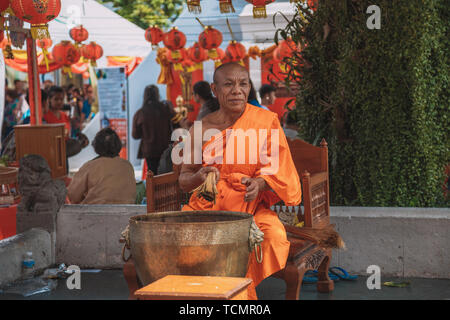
(246, 147)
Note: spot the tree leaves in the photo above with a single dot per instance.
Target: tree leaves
(145, 13)
(379, 98)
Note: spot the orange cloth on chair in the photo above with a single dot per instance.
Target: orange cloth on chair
(283, 181)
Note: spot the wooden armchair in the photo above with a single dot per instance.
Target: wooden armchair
(312, 166)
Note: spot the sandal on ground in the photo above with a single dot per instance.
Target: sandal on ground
(311, 276)
(342, 274)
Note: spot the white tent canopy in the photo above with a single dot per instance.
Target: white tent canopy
(116, 35)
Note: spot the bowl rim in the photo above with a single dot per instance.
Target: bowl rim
(244, 216)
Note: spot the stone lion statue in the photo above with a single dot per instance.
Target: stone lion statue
(40, 193)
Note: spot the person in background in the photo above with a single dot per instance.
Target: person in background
(106, 179)
(48, 84)
(252, 98)
(87, 103)
(290, 127)
(267, 94)
(11, 112)
(19, 87)
(76, 116)
(69, 90)
(55, 113)
(152, 124)
(203, 96)
(67, 98)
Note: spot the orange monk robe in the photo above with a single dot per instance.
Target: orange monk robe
(283, 180)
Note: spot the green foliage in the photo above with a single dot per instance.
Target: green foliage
(379, 97)
(145, 13)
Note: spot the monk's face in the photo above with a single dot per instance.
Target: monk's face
(231, 87)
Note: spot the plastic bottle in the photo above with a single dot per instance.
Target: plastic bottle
(28, 265)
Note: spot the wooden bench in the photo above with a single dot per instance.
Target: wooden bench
(312, 166)
(164, 194)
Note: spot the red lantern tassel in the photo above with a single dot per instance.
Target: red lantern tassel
(194, 6)
(226, 6)
(212, 54)
(45, 53)
(40, 31)
(67, 70)
(176, 55)
(259, 12)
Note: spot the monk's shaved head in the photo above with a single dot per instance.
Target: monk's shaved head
(226, 66)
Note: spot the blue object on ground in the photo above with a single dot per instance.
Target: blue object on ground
(311, 276)
(342, 274)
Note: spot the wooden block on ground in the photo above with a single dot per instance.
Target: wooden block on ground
(176, 287)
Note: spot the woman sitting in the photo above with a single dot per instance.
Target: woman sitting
(107, 179)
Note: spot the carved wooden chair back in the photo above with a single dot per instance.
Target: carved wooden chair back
(311, 163)
(163, 192)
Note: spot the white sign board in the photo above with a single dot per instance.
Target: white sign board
(112, 101)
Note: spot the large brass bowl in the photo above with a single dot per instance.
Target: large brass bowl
(202, 243)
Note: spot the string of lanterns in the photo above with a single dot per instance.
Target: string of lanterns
(207, 48)
(38, 13)
(259, 6)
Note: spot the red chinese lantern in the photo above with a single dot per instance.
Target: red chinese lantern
(226, 6)
(92, 52)
(210, 38)
(259, 7)
(235, 52)
(4, 4)
(44, 44)
(197, 54)
(176, 56)
(220, 54)
(174, 39)
(79, 34)
(154, 35)
(218, 57)
(287, 48)
(66, 54)
(38, 13)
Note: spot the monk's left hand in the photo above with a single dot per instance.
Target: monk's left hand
(254, 187)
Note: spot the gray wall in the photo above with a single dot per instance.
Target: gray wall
(408, 242)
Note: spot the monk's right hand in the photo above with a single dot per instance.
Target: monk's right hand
(201, 174)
